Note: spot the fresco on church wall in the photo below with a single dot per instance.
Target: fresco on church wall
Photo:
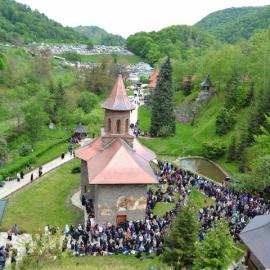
(130, 203)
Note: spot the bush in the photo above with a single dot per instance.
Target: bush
(87, 101)
(214, 150)
(25, 150)
(18, 165)
(166, 131)
(224, 121)
(76, 170)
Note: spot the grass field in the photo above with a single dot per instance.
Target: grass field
(162, 207)
(119, 262)
(189, 139)
(45, 202)
(198, 199)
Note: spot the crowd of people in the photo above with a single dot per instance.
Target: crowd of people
(132, 237)
(174, 185)
(238, 208)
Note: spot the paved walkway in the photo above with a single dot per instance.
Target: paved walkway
(134, 113)
(76, 201)
(12, 186)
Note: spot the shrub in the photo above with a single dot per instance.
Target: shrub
(214, 150)
(224, 121)
(166, 131)
(76, 170)
(25, 150)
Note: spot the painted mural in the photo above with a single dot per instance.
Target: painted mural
(130, 203)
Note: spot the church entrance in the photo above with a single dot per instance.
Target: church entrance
(120, 219)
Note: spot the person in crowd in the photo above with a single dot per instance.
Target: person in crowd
(9, 234)
(63, 155)
(40, 171)
(32, 177)
(21, 174)
(18, 177)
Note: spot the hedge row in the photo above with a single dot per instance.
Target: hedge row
(18, 165)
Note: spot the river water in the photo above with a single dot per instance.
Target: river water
(204, 167)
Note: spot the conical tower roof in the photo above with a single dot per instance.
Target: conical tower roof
(118, 98)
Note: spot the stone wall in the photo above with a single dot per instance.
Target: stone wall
(86, 189)
(113, 200)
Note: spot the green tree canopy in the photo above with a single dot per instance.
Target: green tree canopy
(87, 101)
(163, 118)
(34, 120)
(179, 244)
(214, 253)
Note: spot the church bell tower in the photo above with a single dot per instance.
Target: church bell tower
(117, 114)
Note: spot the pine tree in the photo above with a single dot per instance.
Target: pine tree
(179, 244)
(163, 118)
(59, 95)
(232, 150)
(215, 251)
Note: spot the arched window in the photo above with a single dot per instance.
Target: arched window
(126, 125)
(118, 126)
(109, 125)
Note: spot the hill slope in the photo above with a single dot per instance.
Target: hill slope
(18, 23)
(177, 41)
(233, 24)
(99, 36)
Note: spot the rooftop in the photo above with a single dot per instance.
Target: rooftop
(117, 163)
(207, 82)
(80, 129)
(118, 98)
(153, 79)
(256, 236)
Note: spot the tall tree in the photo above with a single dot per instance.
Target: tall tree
(215, 251)
(179, 244)
(232, 150)
(163, 118)
(34, 120)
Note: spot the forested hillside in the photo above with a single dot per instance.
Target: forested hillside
(99, 36)
(233, 24)
(36, 91)
(233, 126)
(19, 24)
(179, 42)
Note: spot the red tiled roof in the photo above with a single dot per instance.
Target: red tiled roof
(118, 163)
(153, 79)
(87, 152)
(118, 98)
(143, 151)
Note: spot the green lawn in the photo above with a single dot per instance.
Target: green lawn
(119, 262)
(51, 145)
(162, 207)
(45, 202)
(189, 139)
(199, 199)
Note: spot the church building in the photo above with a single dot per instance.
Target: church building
(115, 169)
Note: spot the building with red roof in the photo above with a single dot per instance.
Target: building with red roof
(115, 169)
(153, 79)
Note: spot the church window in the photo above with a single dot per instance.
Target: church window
(126, 125)
(109, 125)
(118, 125)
